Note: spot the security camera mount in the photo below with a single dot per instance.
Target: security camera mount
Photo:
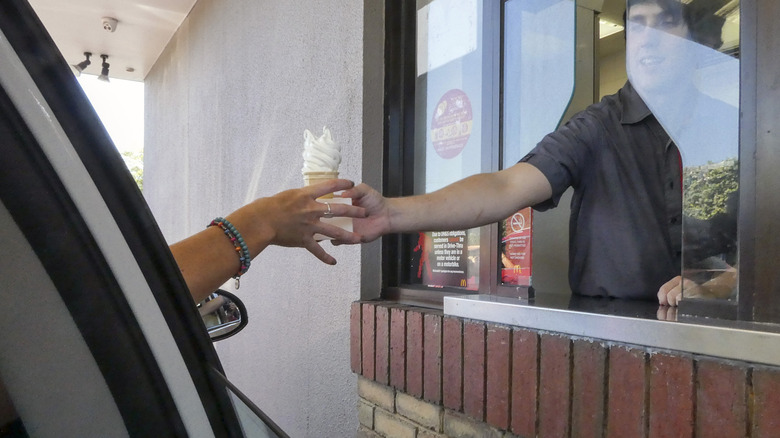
(109, 24)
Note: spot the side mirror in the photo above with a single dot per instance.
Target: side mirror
(223, 314)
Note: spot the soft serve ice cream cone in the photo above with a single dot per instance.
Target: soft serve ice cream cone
(321, 158)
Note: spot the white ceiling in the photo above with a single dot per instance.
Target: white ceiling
(143, 30)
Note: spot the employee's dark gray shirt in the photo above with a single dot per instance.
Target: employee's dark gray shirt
(626, 211)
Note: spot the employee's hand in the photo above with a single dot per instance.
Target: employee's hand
(377, 213)
(720, 286)
(671, 293)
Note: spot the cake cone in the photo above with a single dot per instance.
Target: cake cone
(310, 178)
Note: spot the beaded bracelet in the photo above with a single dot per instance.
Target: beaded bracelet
(238, 243)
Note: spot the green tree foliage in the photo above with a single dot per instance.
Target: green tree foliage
(707, 188)
(135, 163)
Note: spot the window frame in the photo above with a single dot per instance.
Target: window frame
(399, 129)
(759, 204)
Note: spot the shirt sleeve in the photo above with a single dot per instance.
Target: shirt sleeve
(562, 156)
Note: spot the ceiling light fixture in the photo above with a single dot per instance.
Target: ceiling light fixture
(104, 72)
(607, 28)
(83, 64)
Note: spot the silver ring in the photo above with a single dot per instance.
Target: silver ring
(328, 214)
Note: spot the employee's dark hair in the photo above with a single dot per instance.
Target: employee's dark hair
(700, 16)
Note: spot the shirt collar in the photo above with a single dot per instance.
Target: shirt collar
(634, 108)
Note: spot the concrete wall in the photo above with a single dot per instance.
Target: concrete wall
(226, 107)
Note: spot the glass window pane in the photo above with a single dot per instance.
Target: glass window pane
(251, 423)
(538, 66)
(683, 59)
(451, 107)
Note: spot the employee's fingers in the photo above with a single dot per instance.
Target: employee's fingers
(670, 292)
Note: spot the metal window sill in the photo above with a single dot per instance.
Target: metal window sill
(627, 322)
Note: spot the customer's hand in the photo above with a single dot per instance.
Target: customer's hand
(292, 218)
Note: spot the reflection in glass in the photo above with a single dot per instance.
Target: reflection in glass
(682, 58)
(539, 54)
(449, 110)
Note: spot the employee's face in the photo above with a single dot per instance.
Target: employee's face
(658, 50)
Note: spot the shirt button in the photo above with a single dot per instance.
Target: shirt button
(671, 184)
(673, 220)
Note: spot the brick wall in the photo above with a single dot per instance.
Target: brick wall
(422, 374)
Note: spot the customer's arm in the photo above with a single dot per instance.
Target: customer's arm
(474, 201)
(290, 218)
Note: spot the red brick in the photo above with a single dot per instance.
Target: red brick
(588, 389)
(414, 353)
(474, 369)
(383, 345)
(626, 411)
(355, 362)
(398, 348)
(766, 403)
(721, 400)
(525, 378)
(499, 344)
(452, 363)
(432, 326)
(671, 396)
(554, 386)
(367, 340)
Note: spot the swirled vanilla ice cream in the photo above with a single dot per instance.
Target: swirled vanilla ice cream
(321, 158)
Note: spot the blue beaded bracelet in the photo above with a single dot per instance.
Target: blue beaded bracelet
(238, 243)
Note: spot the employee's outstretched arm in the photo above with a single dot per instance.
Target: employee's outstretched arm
(474, 201)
